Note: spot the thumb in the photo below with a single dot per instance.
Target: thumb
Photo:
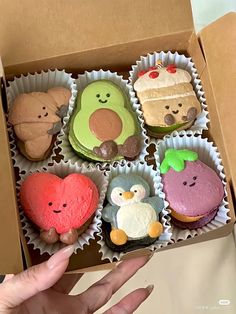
(35, 279)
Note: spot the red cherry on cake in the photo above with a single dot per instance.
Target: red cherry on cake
(171, 68)
(59, 205)
(153, 74)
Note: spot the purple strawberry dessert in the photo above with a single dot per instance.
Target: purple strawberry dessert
(194, 191)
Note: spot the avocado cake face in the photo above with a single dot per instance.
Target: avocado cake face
(103, 126)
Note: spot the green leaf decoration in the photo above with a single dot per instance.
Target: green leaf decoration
(175, 158)
(164, 166)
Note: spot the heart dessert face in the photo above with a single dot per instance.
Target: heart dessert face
(63, 204)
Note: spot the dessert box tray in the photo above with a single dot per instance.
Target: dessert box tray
(80, 47)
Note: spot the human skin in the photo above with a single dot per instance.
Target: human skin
(44, 289)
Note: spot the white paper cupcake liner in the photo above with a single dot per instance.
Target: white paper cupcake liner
(208, 154)
(154, 180)
(82, 81)
(181, 62)
(37, 82)
(63, 169)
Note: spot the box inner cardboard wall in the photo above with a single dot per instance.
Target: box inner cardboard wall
(9, 231)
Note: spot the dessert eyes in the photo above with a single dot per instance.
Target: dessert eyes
(194, 178)
(167, 107)
(98, 95)
(138, 190)
(117, 193)
(50, 204)
(180, 105)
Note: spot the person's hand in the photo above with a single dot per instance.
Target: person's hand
(42, 289)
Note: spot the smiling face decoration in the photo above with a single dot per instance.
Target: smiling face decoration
(103, 125)
(62, 204)
(132, 212)
(167, 98)
(36, 117)
(192, 189)
(127, 190)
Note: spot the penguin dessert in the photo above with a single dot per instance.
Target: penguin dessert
(103, 126)
(132, 214)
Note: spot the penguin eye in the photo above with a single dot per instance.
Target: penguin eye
(116, 195)
(139, 190)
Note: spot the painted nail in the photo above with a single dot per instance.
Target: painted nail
(60, 256)
(149, 288)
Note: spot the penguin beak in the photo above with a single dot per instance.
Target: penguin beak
(128, 195)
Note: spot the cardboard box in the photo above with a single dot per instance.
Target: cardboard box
(85, 35)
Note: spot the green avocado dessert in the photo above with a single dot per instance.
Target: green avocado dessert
(103, 126)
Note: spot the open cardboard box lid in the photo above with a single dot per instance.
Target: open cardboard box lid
(59, 28)
(57, 31)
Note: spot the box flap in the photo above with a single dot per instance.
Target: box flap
(57, 27)
(10, 247)
(219, 45)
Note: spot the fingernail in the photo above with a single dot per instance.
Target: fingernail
(149, 288)
(60, 256)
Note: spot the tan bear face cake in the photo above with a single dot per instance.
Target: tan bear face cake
(167, 98)
(36, 118)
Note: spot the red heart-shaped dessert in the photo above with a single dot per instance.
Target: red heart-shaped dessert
(63, 204)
